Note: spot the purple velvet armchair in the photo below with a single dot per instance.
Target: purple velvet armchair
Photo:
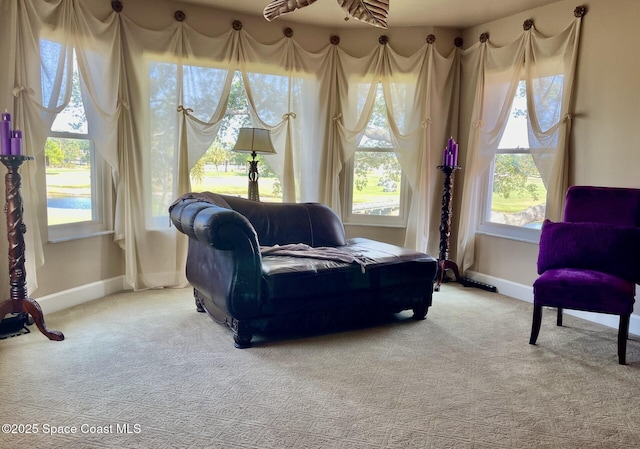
(591, 260)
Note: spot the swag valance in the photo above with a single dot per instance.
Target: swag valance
(323, 102)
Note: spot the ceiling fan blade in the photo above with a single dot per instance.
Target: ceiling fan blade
(373, 12)
(279, 7)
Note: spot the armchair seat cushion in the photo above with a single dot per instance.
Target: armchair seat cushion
(587, 290)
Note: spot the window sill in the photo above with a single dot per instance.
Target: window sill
(371, 224)
(79, 236)
(526, 235)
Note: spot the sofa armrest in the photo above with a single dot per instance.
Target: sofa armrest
(213, 225)
(225, 229)
(224, 260)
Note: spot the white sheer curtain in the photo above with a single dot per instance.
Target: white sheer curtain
(418, 92)
(191, 76)
(176, 76)
(421, 141)
(41, 86)
(546, 64)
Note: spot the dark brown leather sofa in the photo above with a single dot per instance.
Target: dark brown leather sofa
(329, 279)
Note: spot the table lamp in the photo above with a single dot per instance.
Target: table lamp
(254, 140)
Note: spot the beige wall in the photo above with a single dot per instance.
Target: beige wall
(606, 122)
(78, 262)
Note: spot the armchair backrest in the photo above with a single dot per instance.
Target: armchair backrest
(601, 232)
(611, 205)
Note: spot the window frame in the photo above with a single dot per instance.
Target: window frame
(391, 221)
(101, 197)
(485, 226)
(101, 221)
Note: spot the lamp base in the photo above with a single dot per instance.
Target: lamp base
(253, 194)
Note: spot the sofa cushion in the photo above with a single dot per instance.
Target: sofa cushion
(592, 246)
(380, 269)
(291, 284)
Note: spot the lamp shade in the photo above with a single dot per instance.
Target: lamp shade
(254, 139)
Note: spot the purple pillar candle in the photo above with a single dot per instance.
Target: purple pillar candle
(448, 159)
(455, 154)
(16, 143)
(5, 134)
(450, 143)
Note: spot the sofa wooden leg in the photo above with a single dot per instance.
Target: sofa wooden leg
(623, 336)
(198, 300)
(420, 311)
(242, 341)
(535, 326)
(242, 334)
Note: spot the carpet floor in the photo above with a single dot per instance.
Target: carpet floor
(145, 370)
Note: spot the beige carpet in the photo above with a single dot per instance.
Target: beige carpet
(151, 372)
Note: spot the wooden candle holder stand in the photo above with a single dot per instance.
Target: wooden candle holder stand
(19, 302)
(444, 263)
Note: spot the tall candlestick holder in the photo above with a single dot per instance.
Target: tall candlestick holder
(444, 263)
(19, 302)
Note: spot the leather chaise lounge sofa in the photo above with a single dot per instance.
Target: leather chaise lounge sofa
(260, 267)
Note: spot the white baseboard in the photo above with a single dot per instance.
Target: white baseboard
(85, 293)
(79, 295)
(525, 293)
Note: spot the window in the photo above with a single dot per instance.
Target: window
(375, 186)
(516, 196)
(78, 200)
(220, 169)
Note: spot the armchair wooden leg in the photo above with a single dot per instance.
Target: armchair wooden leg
(535, 326)
(623, 335)
(559, 319)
